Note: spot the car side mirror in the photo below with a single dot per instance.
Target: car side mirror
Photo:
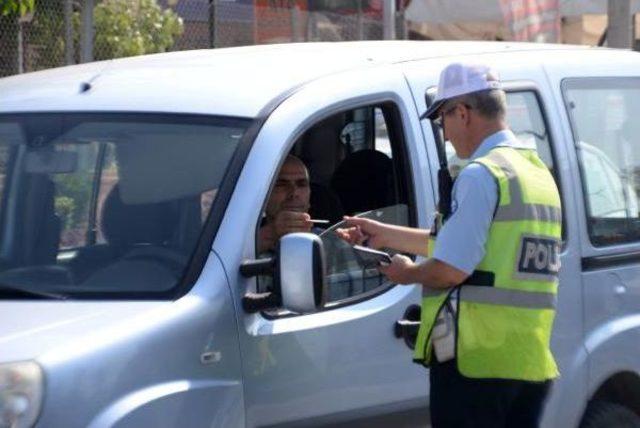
(302, 272)
(298, 270)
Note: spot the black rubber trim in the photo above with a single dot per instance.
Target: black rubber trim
(610, 260)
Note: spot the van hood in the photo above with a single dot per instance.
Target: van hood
(29, 329)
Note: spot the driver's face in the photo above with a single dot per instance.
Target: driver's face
(291, 191)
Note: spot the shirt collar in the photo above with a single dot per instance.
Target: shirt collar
(499, 139)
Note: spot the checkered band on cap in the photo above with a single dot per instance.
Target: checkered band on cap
(461, 79)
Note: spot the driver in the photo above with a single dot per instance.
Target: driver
(286, 210)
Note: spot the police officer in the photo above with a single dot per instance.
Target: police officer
(490, 282)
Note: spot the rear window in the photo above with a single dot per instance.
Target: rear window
(107, 203)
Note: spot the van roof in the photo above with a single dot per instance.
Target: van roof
(233, 81)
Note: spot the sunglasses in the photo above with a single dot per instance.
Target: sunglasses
(439, 121)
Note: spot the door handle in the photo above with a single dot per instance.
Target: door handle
(407, 327)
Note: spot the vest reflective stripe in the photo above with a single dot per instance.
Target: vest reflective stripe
(504, 330)
(507, 297)
(499, 296)
(535, 212)
(517, 208)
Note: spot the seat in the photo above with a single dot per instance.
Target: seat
(364, 181)
(141, 252)
(324, 204)
(42, 227)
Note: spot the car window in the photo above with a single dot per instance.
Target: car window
(603, 117)
(348, 274)
(525, 119)
(108, 204)
(357, 166)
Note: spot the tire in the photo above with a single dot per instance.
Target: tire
(604, 414)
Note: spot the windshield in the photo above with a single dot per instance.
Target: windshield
(106, 203)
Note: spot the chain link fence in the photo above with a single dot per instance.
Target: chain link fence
(61, 32)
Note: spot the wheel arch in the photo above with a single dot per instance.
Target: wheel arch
(621, 388)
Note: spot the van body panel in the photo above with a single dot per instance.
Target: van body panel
(343, 364)
(25, 337)
(146, 368)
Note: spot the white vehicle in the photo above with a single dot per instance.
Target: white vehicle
(131, 192)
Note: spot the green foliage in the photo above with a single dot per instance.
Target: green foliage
(133, 27)
(65, 207)
(122, 28)
(73, 198)
(47, 33)
(16, 7)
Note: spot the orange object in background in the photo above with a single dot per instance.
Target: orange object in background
(275, 20)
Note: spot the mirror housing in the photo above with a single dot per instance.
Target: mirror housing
(301, 272)
(298, 270)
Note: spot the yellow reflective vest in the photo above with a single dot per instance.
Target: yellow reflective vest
(504, 329)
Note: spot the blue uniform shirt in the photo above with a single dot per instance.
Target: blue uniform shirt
(461, 241)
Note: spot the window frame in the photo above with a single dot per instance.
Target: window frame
(397, 140)
(566, 85)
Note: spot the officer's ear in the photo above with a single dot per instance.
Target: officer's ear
(465, 112)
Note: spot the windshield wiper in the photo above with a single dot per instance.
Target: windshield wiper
(7, 290)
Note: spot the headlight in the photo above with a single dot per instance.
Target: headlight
(21, 389)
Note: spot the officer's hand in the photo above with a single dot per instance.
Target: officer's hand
(400, 271)
(290, 222)
(359, 230)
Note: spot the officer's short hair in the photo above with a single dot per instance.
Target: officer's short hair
(490, 104)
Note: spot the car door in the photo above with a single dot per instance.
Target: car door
(342, 364)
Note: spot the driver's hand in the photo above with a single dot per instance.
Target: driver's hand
(361, 231)
(290, 222)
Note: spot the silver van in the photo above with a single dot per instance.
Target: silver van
(132, 293)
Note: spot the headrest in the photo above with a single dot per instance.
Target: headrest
(128, 224)
(364, 181)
